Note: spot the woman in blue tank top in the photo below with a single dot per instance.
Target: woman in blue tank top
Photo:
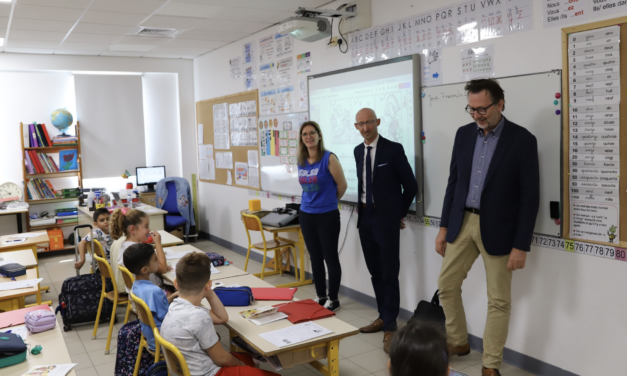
(321, 176)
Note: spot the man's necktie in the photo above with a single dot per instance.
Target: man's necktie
(368, 179)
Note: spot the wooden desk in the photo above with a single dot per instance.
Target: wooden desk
(30, 243)
(18, 216)
(300, 244)
(249, 332)
(157, 221)
(167, 239)
(54, 351)
(14, 299)
(24, 257)
(226, 271)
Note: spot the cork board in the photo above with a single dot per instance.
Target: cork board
(622, 22)
(204, 116)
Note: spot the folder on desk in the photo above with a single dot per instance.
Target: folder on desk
(274, 293)
(304, 310)
(12, 318)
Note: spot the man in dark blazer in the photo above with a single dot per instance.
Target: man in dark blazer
(490, 209)
(387, 187)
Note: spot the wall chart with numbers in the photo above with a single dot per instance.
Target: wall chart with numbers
(593, 186)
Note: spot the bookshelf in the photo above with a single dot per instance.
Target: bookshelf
(78, 173)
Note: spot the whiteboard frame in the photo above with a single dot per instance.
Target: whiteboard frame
(417, 88)
(561, 108)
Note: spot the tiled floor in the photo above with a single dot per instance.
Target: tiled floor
(360, 355)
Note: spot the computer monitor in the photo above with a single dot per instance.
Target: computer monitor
(149, 176)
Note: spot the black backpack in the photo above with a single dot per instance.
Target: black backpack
(430, 312)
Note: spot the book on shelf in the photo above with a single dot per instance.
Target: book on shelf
(65, 210)
(28, 163)
(32, 136)
(40, 135)
(68, 159)
(64, 140)
(40, 163)
(69, 220)
(46, 135)
(73, 214)
(39, 189)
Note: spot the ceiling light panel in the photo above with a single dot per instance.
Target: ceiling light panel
(172, 22)
(144, 7)
(74, 4)
(108, 18)
(46, 13)
(190, 10)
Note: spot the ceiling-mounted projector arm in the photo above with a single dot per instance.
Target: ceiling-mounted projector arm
(332, 13)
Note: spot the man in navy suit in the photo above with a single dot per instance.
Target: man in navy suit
(387, 187)
(490, 209)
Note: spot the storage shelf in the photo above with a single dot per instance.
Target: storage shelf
(35, 228)
(52, 149)
(50, 200)
(60, 174)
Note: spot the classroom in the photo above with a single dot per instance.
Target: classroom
(195, 127)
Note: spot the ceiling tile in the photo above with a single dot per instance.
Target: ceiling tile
(180, 50)
(278, 17)
(76, 52)
(5, 10)
(37, 35)
(153, 41)
(132, 47)
(167, 56)
(30, 43)
(213, 35)
(84, 46)
(42, 25)
(4, 22)
(173, 22)
(190, 10)
(196, 43)
(21, 50)
(89, 28)
(245, 14)
(238, 26)
(121, 53)
(92, 38)
(46, 13)
(144, 7)
(74, 4)
(108, 18)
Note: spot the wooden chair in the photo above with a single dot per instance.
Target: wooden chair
(114, 296)
(129, 279)
(145, 316)
(253, 223)
(177, 365)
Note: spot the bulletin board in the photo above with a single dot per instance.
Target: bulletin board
(204, 117)
(568, 151)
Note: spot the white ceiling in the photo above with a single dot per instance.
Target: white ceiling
(102, 27)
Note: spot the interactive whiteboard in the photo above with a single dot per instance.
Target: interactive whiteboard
(530, 102)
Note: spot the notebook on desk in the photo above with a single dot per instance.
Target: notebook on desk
(273, 293)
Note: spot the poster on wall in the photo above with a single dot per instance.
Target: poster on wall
(467, 22)
(266, 75)
(303, 63)
(424, 33)
(285, 99)
(518, 15)
(558, 13)
(477, 62)
(303, 99)
(284, 45)
(387, 42)
(491, 21)
(267, 102)
(444, 25)
(235, 67)
(266, 49)
(404, 36)
(279, 140)
(284, 74)
(432, 66)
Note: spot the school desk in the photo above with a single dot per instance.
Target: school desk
(29, 243)
(226, 271)
(249, 332)
(53, 351)
(156, 217)
(14, 299)
(300, 244)
(24, 257)
(18, 216)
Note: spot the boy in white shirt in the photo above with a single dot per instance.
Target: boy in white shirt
(100, 233)
(190, 326)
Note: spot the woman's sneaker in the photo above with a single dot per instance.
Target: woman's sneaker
(321, 301)
(332, 305)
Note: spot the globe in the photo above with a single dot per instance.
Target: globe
(62, 119)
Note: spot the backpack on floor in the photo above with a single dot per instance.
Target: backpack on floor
(129, 337)
(79, 300)
(430, 312)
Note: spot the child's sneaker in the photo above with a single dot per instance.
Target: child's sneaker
(321, 301)
(332, 305)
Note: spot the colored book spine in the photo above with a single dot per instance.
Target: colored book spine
(53, 163)
(50, 186)
(67, 214)
(43, 163)
(35, 160)
(33, 136)
(28, 163)
(43, 126)
(40, 139)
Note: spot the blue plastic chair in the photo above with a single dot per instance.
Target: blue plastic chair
(173, 219)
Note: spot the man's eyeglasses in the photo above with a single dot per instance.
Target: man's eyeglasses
(480, 110)
(363, 123)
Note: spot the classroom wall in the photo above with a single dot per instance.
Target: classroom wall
(28, 87)
(568, 309)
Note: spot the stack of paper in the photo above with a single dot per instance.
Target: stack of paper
(295, 334)
(263, 315)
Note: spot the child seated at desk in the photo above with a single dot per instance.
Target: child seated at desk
(419, 349)
(141, 260)
(100, 233)
(189, 325)
(135, 225)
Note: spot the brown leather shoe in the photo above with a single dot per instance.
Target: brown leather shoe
(387, 341)
(490, 372)
(458, 350)
(375, 326)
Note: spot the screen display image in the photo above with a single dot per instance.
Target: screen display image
(149, 176)
(335, 99)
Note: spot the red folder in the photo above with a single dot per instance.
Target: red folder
(273, 293)
(12, 318)
(304, 310)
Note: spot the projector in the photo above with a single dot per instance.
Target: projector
(307, 29)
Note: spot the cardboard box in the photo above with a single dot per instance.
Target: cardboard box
(56, 239)
(298, 357)
(254, 205)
